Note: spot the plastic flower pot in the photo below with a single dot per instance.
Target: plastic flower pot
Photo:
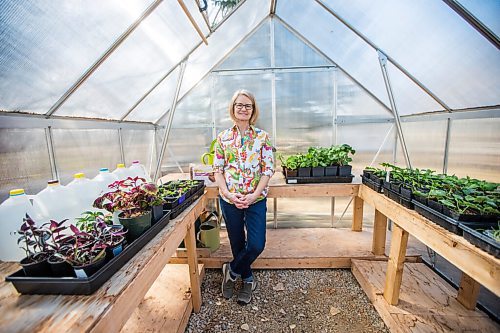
(345, 170)
(33, 267)
(87, 270)
(318, 172)
(157, 213)
(305, 172)
(136, 225)
(291, 173)
(60, 267)
(331, 170)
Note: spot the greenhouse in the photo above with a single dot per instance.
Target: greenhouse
(332, 166)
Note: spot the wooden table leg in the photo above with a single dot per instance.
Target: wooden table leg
(468, 292)
(379, 232)
(357, 214)
(194, 275)
(395, 265)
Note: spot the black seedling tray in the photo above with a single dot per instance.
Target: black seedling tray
(84, 286)
(313, 180)
(186, 203)
(477, 238)
(374, 186)
(437, 217)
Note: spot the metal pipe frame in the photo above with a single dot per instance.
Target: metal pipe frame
(99, 61)
(120, 142)
(474, 22)
(273, 104)
(169, 121)
(295, 69)
(394, 62)
(51, 152)
(383, 63)
(311, 45)
(28, 120)
(272, 8)
(446, 146)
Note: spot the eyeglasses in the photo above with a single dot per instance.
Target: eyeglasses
(240, 106)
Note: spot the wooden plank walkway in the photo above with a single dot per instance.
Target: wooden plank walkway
(427, 303)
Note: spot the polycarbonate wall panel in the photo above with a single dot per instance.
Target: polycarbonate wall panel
(158, 101)
(475, 149)
(304, 110)
(46, 45)
(194, 110)
(425, 141)
(352, 100)
(222, 41)
(161, 41)
(486, 11)
(373, 143)
(24, 161)
(433, 43)
(340, 44)
(252, 53)
(85, 151)
(138, 145)
(226, 85)
(185, 145)
(289, 50)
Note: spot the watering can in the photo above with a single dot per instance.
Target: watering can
(209, 234)
(208, 158)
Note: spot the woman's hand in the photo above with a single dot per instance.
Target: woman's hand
(249, 199)
(236, 199)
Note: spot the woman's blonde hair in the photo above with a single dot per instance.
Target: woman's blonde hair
(255, 111)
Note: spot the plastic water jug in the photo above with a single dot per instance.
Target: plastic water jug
(121, 172)
(85, 191)
(12, 212)
(139, 170)
(103, 179)
(56, 202)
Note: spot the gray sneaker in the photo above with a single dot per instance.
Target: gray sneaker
(245, 294)
(227, 282)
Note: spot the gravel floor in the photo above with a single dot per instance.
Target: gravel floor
(313, 300)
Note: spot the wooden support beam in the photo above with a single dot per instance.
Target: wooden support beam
(379, 232)
(357, 214)
(194, 274)
(468, 292)
(395, 265)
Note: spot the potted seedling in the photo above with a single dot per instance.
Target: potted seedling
(304, 165)
(315, 154)
(113, 237)
(344, 159)
(61, 245)
(34, 243)
(135, 204)
(289, 165)
(87, 254)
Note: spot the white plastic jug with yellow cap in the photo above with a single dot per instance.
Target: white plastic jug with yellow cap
(121, 172)
(12, 212)
(56, 202)
(85, 191)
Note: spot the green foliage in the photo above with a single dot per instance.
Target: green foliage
(319, 157)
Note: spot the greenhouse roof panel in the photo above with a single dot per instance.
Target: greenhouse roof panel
(434, 44)
(486, 11)
(46, 45)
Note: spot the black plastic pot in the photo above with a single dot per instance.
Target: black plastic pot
(304, 172)
(480, 239)
(406, 192)
(438, 207)
(60, 267)
(136, 225)
(386, 184)
(374, 178)
(35, 268)
(157, 213)
(113, 251)
(345, 170)
(318, 172)
(85, 271)
(331, 170)
(170, 203)
(395, 186)
(422, 200)
(367, 174)
(291, 173)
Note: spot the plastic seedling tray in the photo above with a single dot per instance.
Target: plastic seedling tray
(477, 238)
(310, 180)
(406, 203)
(446, 222)
(374, 186)
(84, 286)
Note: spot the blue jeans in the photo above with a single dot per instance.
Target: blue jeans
(245, 248)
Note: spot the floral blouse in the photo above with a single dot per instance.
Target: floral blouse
(243, 159)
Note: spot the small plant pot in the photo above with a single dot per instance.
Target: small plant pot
(435, 205)
(318, 172)
(291, 173)
(170, 203)
(60, 267)
(422, 200)
(86, 271)
(136, 225)
(345, 170)
(374, 178)
(332, 170)
(367, 174)
(395, 187)
(406, 193)
(35, 268)
(305, 172)
(387, 184)
(157, 213)
(113, 251)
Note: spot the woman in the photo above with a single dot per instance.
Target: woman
(243, 165)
